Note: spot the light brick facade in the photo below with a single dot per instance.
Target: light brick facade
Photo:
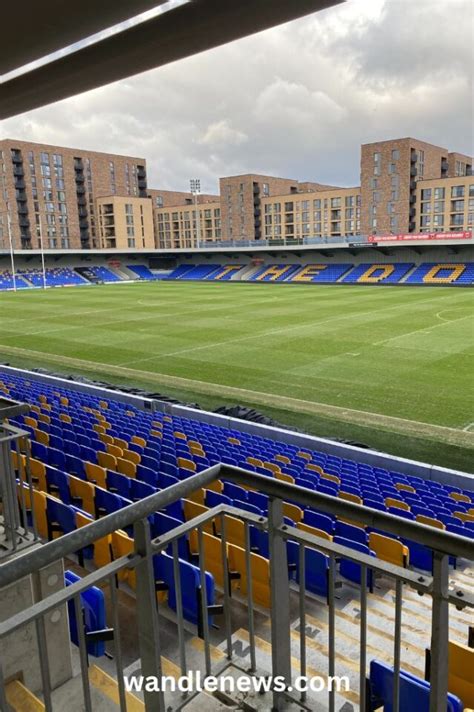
(125, 223)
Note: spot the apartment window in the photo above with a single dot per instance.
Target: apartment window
(393, 222)
(438, 206)
(317, 204)
(390, 208)
(457, 220)
(395, 154)
(392, 167)
(471, 190)
(438, 220)
(374, 223)
(426, 194)
(426, 207)
(60, 184)
(349, 201)
(457, 191)
(207, 213)
(268, 208)
(159, 201)
(305, 216)
(57, 159)
(131, 231)
(305, 205)
(374, 184)
(377, 157)
(131, 242)
(376, 196)
(439, 193)
(457, 206)
(265, 190)
(394, 195)
(459, 168)
(377, 169)
(470, 219)
(421, 163)
(288, 207)
(44, 158)
(335, 202)
(350, 212)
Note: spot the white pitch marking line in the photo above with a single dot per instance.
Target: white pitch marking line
(417, 331)
(262, 334)
(468, 427)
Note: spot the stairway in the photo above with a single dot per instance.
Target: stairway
(20, 699)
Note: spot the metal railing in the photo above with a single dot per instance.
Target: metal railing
(443, 544)
(16, 531)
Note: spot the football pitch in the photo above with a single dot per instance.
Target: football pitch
(392, 367)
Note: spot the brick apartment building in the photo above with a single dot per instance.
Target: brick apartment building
(50, 193)
(72, 199)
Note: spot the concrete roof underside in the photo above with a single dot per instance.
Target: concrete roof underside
(37, 28)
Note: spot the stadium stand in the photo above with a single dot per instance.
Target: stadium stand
(7, 282)
(441, 273)
(103, 274)
(143, 272)
(97, 455)
(378, 273)
(55, 277)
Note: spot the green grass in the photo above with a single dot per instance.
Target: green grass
(394, 365)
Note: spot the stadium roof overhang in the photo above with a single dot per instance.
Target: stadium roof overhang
(36, 28)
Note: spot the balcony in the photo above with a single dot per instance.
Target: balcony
(81, 201)
(141, 183)
(24, 222)
(413, 171)
(16, 157)
(21, 196)
(20, 184)
(79, 177)
(83, 223)
(80, 190)
(78, 165)
(413, 156)
(82, 212)
(18, 171)
(22, 209)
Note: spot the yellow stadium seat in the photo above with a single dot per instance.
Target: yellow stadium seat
(137, 440)
(156, 434)
(107, 439)
(64, 401)
(186, 464)
(123, 545)
(38, 473)
(134, 457)
(464, 517)
(234, 531)
(233, 441)
(99, 428)
(43, 418)
(39, 506)
(397, 503)
(314, 468)
(121, 443)
(157, 424)
(272, 467)
(41, 437)
(254, 461)
(125, 467)
(331, 478)
(389, 549)
(304, 455)
(404, 488)
(283, 458)
(197, 496)
(179, 435)
(114, 450)
(471, 511)
(84, 491)
(35, 409)
(314, 531)
(65, 418)
(212, 549)
(459, 497)
(284, 477)
(102, 553)
(292, 511)
(103, 404)
(215, 486)
(350, 497)
(430, 521)
(107, 460)
(260, 570)
(461, 672)
(96, 474)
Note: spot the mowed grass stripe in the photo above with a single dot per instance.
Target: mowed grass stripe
(304, 348)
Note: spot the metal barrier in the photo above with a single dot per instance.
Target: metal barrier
(15, 532)
(436, 586)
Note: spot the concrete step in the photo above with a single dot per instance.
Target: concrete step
(70, 697)
(20, 699)
(107, 685)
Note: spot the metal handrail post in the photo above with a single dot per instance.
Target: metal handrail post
(280, 600)
(147, 615)
(439, 632)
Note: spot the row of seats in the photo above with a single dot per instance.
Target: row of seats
(55, 277)
(366, 273)
(143, 272)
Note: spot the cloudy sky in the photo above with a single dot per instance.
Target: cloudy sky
(295, 101)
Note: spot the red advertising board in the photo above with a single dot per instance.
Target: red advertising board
(465, 235)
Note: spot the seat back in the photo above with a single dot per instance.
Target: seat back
(461, 672)
(260, 570)
(389, 549)
(93, 606)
